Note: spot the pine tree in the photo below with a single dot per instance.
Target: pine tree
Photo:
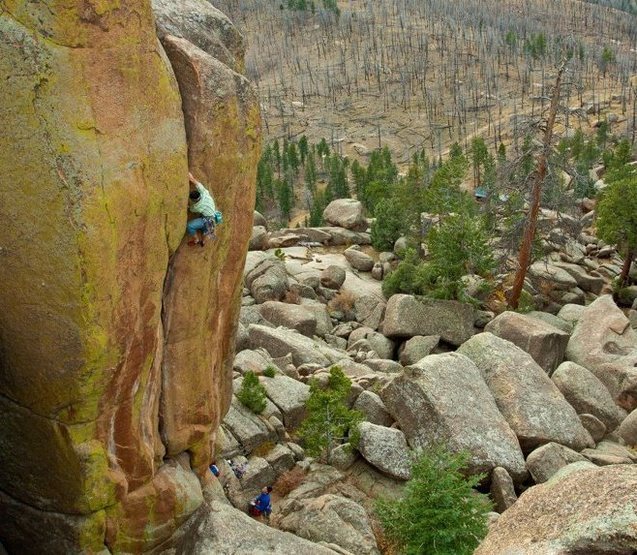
(328, 418)
(617, 208)
(251, 393)
(439, 513)
(303, 149)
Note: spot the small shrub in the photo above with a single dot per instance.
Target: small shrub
(263, 449)
(289, 481)
(440, 513)
(252, 393)
(403, 278)
(270, 371)
(342, 302)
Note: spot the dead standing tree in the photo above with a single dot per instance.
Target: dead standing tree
(539, 175)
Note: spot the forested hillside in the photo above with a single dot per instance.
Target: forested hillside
(409, 74)
(629, 6)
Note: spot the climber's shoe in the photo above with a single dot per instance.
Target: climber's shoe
(194, 242)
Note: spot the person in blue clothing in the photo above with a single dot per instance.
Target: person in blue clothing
(201, 202)
(262, 504)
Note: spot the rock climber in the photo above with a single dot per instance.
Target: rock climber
(201, 202)
(262, 504)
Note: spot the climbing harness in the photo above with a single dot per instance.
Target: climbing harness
(211, 222)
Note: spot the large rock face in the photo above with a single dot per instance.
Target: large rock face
(584, 512)
(407, 316)
(115, 341)
(604, 343)
(545, 343)
(444, 399)
(528, 399)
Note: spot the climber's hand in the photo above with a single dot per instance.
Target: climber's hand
(191, 178)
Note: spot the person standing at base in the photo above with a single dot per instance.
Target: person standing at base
(262, 504)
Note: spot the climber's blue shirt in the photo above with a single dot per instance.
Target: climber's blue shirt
(263, 503)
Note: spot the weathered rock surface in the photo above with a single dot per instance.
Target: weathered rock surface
(527, 398)
(290, 396)
(373, 408)
(333, 277)
(557, 277)
(502, 489)
(594, 426)
(221, 528)
(332, 519)
(443, 398)
(586, 511)
(358, 259)
(369, 310)
(280, 341)
(604, 343)
(609, 452)
(628, 429)
(202, 24)
(217, 102)
(268, 280)
(346, 213)
(291, 316)
(587, 394)
(250, 430)
(386, 449)
(546, 460)
(416, 348)
(545, 343)
(407, 316)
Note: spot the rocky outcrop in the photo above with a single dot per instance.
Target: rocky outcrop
(224, 529)
(604, 343)
(545, 343)
(444, 399)
(116, 337)
(333, 519)
(527, 398)
(407, 316)
(585, 511)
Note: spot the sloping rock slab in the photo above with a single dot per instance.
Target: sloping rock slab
(333, 519)
(444, 399)
(531, 403)
(386, 449)
(545, 343)
(587, 394)
(584, 512)
(280, 341)
(221, 528)
(407, 316)
(604, 343)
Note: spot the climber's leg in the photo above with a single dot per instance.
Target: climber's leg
(193, 227)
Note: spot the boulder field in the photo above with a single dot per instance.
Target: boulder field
(115, 336)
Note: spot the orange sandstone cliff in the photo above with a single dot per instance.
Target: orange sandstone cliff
(116, 338)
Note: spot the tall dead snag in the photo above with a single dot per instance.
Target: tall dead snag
(541, 165)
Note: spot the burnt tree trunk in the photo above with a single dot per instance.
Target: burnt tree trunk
(524, 254)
